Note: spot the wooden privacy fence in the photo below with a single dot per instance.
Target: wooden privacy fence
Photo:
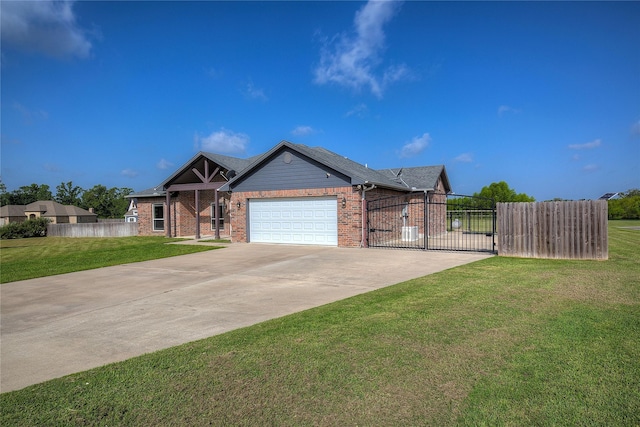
(96, 229)
(563, 230)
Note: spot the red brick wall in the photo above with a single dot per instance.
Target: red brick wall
(145, 216)
(185, 213)
(235, 222)
(349, 217)
(438, 211)
(183, 217)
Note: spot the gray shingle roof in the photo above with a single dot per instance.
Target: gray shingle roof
(230, 163)
(12, 210)
(350, 168)
(420, 178)
(49, 208)
(148, 192)
(416, 178)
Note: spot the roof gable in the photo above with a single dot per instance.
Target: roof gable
(355, 172)
(235, 170)
(186, 174)
(288, 169)
(421, 177)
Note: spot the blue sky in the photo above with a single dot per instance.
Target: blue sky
(543, 95)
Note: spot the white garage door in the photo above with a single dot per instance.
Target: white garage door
(301, 221)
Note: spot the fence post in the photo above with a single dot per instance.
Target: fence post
(426, 221)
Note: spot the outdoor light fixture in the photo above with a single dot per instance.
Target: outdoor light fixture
(239, 205)
(344, 203)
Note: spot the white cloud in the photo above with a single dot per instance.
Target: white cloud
(464, 158)
(635, 129)
(415, 146)
(504, 109)
(130, 173)
(164, 164)
(586, 146)
(253, 92)
(590, 168)
(48, 27)
(29, 116)
(213, 73)
(359, 110)
(352, 60)
(302, 131)
(222, 141)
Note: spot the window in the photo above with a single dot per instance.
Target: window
(158, 217)
(220, 217)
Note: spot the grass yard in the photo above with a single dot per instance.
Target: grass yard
(22, 259)
(502, 341)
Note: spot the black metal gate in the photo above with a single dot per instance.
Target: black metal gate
(432, 221)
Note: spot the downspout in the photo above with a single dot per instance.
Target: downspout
(197, 203)
(216, 211)
(168, 220)
(217, 198)
(364, 189)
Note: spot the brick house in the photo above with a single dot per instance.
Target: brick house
(55, 212)
(292, 194)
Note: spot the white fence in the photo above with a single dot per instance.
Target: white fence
(99, 229)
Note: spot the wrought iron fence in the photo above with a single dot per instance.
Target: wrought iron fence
(432, 222)
(397, 222)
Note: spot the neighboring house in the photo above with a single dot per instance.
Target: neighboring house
(132, 213)
(291, 194)
(12, 213)
(609, 196)
(54, 211)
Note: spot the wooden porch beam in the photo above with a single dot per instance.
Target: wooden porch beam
(206, 178)
(217, 216)
(198, 213)
(167, 220)
(196, 186)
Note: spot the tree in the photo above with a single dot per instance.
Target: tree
(69, 194)
(106, 203)
(627, 206)
(500, 192)
(29, 194)
(630, 193)
(4, 196)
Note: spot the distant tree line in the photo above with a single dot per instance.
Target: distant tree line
(627, 206)
(106, 202)
(496, 192)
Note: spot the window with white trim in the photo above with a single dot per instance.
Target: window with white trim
(158, 217)
(220, 217)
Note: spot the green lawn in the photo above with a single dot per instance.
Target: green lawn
(502, 341)
(45, 256)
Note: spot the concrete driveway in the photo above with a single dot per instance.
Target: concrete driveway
(58, 325)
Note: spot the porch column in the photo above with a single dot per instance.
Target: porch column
(197, 214)
(216, 211)
(167, 219)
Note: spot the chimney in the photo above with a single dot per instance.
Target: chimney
(91, 210)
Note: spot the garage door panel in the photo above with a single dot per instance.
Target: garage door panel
(308, 220)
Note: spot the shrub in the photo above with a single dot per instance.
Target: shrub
(627, 207)
(30, 228)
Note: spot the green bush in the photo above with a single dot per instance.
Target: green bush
(627, 207)
(30, 228)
